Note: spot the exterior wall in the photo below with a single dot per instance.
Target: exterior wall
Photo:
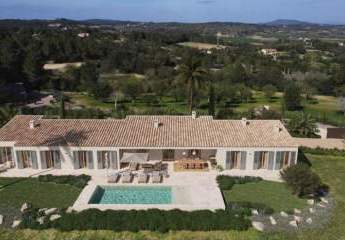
(221, 155)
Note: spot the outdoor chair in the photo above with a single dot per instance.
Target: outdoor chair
(113, 178)
(133, 166)
(142, 178)
(127, 178)
(156, 177)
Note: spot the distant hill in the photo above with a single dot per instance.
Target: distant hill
(288, 22)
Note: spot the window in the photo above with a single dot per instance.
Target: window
(50, 159)
(235, 160)
(263, 160)
(83, 159)
(27, 159)
(107, 159)
(285, 159)
(6, 155)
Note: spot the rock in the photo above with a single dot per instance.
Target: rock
(273, 221)
(255, 212)
(258, 226)
(42, 210)
(311, 201)
(54, 217)
(324, 200)
(321, 205)
(15, 223)
(1, 219)
(309, 221)
(297, 211)
(311, 210)
(298, 219)
(50, 211)
(293, 223)
(40, 220)
(24, 207)
(69, 210)
(284, 214)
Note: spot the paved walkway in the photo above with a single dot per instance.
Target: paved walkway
(321, 143)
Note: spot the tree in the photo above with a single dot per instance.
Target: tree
(6, 113)
(131, 88)
(301, 180)
(211, 101)
(62, 107)
(192, 73)
(89, 77)
(269, 91)
(303, 125)
(245, 92)
(292, 96)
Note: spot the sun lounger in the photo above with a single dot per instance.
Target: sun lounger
(127, 178)
(3, 167)
(156, 177)
(142, 178)
(113, 178)
(133, 166)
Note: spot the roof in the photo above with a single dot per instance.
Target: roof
(139, 132)
(338, 133)
(134, 157)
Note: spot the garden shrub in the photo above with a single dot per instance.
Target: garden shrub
(150, 220)
(79, 181)
(321, 151)
(301, 179)
(247, 206)
(227, 182)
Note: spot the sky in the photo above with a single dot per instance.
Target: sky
(249, 11)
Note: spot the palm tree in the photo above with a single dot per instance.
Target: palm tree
(191, 72)
(6, 113)
(303, 125)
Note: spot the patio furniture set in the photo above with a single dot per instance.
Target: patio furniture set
(154, 171)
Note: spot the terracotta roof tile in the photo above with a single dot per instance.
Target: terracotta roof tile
(139, 131)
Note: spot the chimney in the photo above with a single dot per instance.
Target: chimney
(32, 124)
(193, 114)
(244, 121)
(156, 123)
(277, 128)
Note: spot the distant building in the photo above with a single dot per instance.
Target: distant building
(54, 25)
(338, 133)
(341, 44)
(271, 52)
(83, 35)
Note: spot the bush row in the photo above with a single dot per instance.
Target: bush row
(79, 181)
(227, 182)
(151, 220)
(322, 151)
(245, 207)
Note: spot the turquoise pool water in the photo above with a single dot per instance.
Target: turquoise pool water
(131, 195)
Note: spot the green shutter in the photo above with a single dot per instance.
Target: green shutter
(256, 160)
(228, 160)
(243, 160)
(33, 159)
(90, 160)
(270, 160)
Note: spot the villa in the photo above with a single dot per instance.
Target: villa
(69, 144)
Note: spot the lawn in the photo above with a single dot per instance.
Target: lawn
(331, 169)
(273, 194)
(15, 191)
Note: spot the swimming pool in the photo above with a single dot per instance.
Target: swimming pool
(131, 195)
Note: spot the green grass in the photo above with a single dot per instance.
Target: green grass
(15, 191)
(273, 194)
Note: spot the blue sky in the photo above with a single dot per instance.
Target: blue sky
(322, 11)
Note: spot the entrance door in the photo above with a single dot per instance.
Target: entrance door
(168, 155)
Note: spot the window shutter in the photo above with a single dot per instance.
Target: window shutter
(76, 160)
(113, 158)
(57, 159)
(293, 158)
(243, 160)
(43, 160)
(279, 159)
(256, 160)
(20, 159)
(99, 160)
(270, 160)
(33, 159)
(89, 160)
(227, 160)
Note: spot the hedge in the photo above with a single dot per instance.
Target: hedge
(79, 181)
(227, 182)
(247, 206)
(322, 151)
(150, 220)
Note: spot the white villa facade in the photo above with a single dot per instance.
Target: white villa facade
(38, 143)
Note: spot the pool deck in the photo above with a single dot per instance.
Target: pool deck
(191, 190)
